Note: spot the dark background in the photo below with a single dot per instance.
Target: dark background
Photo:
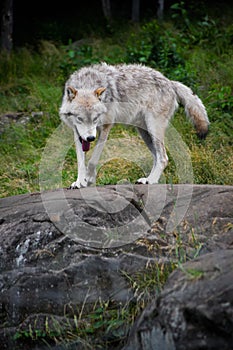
(62, 21)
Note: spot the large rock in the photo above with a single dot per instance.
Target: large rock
(194, 311)
(61, 250)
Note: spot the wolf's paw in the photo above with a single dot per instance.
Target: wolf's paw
(142, 181)
(90, 177)
(90, 180)
(147, 181)
(78, 184)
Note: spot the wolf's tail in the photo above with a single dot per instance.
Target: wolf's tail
(194, 108)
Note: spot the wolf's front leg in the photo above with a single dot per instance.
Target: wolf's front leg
(93, 162)
(91, 174)
(81, 178)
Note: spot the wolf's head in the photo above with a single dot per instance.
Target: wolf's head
(83, 111)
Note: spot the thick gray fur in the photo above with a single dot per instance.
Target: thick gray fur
(98, 96)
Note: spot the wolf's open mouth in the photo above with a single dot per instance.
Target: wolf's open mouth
(85, 144)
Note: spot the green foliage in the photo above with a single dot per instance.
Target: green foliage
(90, 51)
(221, 98)
(76, 58)
(150, 281)
(180, 15)
(161, 49)
(206, 32)
(29, 80)
(198, 53)
(103, 323)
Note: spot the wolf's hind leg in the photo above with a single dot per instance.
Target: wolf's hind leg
(155, 143)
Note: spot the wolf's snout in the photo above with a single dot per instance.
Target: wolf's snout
(90, 138)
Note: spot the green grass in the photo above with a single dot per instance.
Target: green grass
(32, 83)
(103, 325)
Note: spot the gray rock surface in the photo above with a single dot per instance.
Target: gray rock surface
(194, 311)
(19, 118)
(62, 249)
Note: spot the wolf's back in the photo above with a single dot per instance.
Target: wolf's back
(194, 108)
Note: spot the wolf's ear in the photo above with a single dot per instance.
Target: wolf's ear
(71, 93)
(98, 92)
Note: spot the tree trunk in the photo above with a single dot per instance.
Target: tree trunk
(7, 26)
(106, 5)
(160, 10)
(135, 10)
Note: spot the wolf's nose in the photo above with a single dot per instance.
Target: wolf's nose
(90, 138)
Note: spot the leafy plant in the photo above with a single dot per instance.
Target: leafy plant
(76, 57)
(221, 97)
(180, 14)
(161, 50)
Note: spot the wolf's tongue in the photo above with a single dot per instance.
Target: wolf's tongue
(85, 145)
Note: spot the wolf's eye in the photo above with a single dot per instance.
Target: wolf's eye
(96, 118)
(80, 119)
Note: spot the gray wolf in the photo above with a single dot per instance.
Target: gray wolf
(100, 95)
